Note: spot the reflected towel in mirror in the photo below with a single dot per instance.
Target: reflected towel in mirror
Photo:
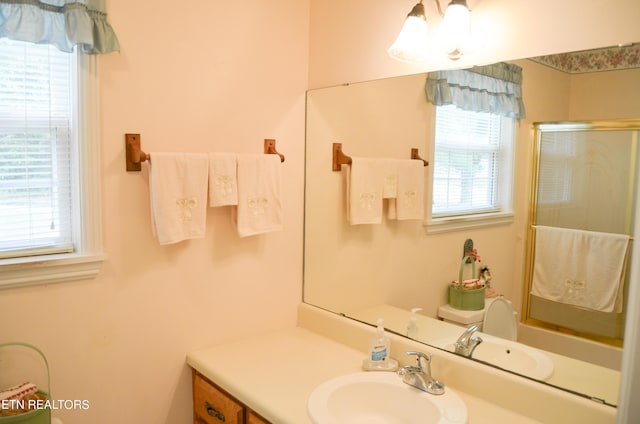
(365, 187)
(409, 200)
(370, 180)
(580, 268)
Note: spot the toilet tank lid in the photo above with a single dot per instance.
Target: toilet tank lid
(461, 317)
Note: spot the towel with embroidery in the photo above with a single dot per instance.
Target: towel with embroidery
(223, 186)
(580, 268)
(259, 207)
(368, 180)
(409, 200)
(178, 191)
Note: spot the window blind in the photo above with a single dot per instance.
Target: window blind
(467, 162)
(557, 153)
(36, 116)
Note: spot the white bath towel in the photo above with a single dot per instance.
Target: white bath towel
(364, 190)
(580, 268)
(388, 168)
(223, 185)
(409, 200)
(259, 207)
(178, 191)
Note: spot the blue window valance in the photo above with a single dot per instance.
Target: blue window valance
(61, 23)
(495, 88)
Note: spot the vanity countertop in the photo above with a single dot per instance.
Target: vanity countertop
(274, 374)
(571, 373)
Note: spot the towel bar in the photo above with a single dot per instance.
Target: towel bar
(339, 158)
(135, 155)
(631, 238)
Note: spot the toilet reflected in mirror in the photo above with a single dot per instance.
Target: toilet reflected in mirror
(497, 318)
(500, 320)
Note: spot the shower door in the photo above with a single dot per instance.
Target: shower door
(584, 178)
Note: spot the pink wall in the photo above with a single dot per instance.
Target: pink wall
(196, 77)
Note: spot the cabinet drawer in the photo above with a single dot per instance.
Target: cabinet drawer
(253, 418)
(213, 406)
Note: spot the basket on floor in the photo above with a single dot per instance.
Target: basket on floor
(42, 413)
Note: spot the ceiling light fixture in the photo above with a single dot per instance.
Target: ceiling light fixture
(412, 44)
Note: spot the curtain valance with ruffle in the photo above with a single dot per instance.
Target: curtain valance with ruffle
(495, 88)
(61, 23)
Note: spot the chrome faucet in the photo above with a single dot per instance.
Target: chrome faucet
(467, 342)
(419, 377)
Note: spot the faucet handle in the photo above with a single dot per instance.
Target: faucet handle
(411, 368)
(421, 355)
(425, 356)
(472, 329)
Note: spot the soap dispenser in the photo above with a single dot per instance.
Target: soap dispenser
(412, 328)
(379, 350)
(380, 344)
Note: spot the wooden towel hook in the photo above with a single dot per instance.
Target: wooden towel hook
(339, 158)
(134, 154)
(270, 148)
(415, 155)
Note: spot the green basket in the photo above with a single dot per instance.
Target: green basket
(36, 416)
(466, 299)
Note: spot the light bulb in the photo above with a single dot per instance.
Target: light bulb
(455, 30)
(411, 44)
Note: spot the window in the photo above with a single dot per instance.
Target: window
(472, 168)
(49, 168)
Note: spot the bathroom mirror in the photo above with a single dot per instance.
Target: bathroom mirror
(395, 266)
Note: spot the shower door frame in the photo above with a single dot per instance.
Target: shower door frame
(539, 128)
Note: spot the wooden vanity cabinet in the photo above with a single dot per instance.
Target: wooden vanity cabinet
(212, 405)
(252, 418)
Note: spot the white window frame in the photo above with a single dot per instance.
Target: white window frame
(463, 221)
(85, 261)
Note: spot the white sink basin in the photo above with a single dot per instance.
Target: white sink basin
(381, 397)
(511, 356)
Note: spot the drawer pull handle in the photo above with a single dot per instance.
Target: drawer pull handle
(214, 412)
